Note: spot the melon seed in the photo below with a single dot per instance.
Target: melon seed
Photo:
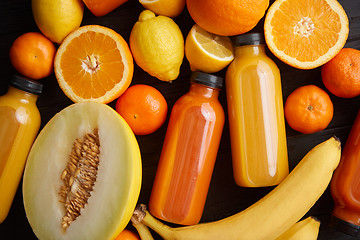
(79, 176)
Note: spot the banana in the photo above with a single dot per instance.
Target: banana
(142, 229)
(272, 215)
(306, 229)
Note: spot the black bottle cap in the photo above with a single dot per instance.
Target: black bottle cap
(26, 84)
(248, 39)
(207, 79)
(345, 227)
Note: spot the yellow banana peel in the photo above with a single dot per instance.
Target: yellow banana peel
(305, 229)
(272, 215)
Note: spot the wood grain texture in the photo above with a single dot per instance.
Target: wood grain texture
(224, 197)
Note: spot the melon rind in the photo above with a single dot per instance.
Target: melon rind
(118, 183)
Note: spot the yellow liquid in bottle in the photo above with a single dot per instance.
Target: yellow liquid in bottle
(256, 119)
(8, 131)
(19, 125)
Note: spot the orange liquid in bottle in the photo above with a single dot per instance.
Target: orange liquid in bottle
(345, 185)
(19, 125)
(256, 118)
(188, 157)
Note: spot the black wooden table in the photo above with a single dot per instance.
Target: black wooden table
(225, 197)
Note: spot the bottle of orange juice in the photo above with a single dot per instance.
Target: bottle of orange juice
(256, 115)
(19, 125)
(189, 153)
(345, 185)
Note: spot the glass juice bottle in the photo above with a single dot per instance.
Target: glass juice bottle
(345, 185)
(189, 153)
(256, 115)
(19, 125)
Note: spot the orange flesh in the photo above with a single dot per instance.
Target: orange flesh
(92, 65)
(322, 36)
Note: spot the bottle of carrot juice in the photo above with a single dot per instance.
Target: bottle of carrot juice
(345, 185)
(189, 153)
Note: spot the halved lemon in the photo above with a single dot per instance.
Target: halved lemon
(206, 51)
(306, 34)
(94, 63)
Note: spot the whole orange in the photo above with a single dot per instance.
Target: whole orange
(127, 235)
(227, 17)
(341, 75)
(308, 109)
(32, 55)
(143, 107)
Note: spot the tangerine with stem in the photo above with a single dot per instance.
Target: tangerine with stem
(143, 107)
(308, 109)
(32, 55)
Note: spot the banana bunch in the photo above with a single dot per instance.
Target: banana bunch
(271, 216)
(305, 229)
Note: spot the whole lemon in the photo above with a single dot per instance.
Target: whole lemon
(57, 18)
(157, 45)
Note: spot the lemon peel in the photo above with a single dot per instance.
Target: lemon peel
(157, 45)
(57, 18)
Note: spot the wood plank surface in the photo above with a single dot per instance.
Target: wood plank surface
(225, 197)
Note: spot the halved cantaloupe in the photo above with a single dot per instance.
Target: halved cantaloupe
(83, 174)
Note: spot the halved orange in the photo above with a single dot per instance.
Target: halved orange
(306, 33)
(94, 63)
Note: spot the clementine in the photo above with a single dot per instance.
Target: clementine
(32, 55)
(227, 17)
(308, 109)
(143, 107)
(341, 75)
(127, 235)
(94, 63)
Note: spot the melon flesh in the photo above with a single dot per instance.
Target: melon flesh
(117, 186)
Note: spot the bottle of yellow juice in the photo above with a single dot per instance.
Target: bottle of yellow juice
(256, 115)
(19, 125)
